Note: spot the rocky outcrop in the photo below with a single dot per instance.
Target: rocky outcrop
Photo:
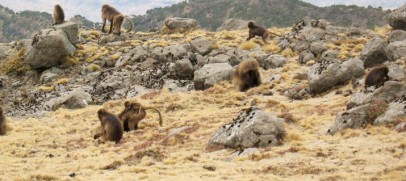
(374, 52)
(251, 128)
(397, 19)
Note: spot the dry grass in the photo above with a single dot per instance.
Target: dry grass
(14, 64)
(249, 45)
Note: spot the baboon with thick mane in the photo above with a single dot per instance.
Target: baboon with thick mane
(133, 114)
(59, 16)
(116, 19)
(247, 75)
(377, 77)
(255, 30)
(3, 128)
(111, 126)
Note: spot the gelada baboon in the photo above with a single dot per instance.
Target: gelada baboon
(255, 30)
(377, 77)
(2, 123)
(133, 114)
(59, 16)
(111, 126)
(247, 75)
(116, 19)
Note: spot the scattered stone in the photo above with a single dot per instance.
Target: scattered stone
(184, 69)
(374, 52)
(274, 61)
(233, 24)
(209, 167)
(396, 50)
(75, 99)
(211, 74)
(202, 46)
(397, 35)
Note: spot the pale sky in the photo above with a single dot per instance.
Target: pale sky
(91, 8)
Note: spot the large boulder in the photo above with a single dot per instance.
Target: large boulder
(211, 74)
(49, 47)
(374, 52)
(353, 118)
(75, 99)
(251, 128)
(233, 24)
(323, 76)
(397, 19)
(397, 35)
(317, 48)
(179, 24)
(395, 110)
(396, 50)
(174, 52)
(184, 68)
(71, 29)
(202, 46)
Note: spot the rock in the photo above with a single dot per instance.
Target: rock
(395, 110)
(388, 93)
(323, 76)
(71, 29)
(50, 74)
(202, 46)
(317, 48)
(311, 34)
(149, 62)
(329, 55)
(353, 118)
(175, 52)
(139, 53)
(397, 19)
(374, 52)
(136, 90)
(49, 48)
(401, 127)
(396, 50)
(274, 61)
(299, 46)
(201, 61)
(75, 99)
(108, 38)
(397, 35)
(184, 68)
(222, 58)
(245, 152)
(180, 24)
(251, 128)
(305, 56)
(5, 49)
(233, 24)
(211, 74)
(396, 72)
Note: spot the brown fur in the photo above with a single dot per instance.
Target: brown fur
(111, 126)
(255, 30)
(133, 114)
(116, 19)
(59, 16)
(247, 75)
(377, 77)
(3, 128)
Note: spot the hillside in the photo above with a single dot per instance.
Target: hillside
(280, 13)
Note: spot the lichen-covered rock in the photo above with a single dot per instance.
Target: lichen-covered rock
(75, 99)
(395, 110)
(274, 61)
(174, 52)
(317, 48)
(374, 52)
(353, 118)
(184, 68)
(396, 50)
(233, 24)
(323, 76)
(49, 47)
(202, 46)
(329, 55)
(397, 19)
(180, 24)
(305, 56)
(397, 35)
(251, 128)
(211, 74)
(222, 58)
(71, 29)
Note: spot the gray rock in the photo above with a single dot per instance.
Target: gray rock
(317, 48)
(184, 68)
(374, 52)
(274, 61)
(299, 46)
(311, 34)
(174, 51)
(50, 74)
(323, 76)
(109, 38)
(177, 23)
(136, 90)
(211, 74)
(353, 118)
(71, 29)
(401, 127)
(149, 62)
(396, 109)
(5, 49)
(202, 46)
(75, 99)
(329, 55)
(139, 53)
(49, 47)
(396, 72)
(397, 19)
(245, 152)
(305, 56)
(251, 128)
(233, 24)
(397, 35)
(222, 58)
(396, 50)
(201, 61)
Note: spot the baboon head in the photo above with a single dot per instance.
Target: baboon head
(251, 24)
(101, 113)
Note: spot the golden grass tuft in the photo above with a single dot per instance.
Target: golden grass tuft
(93, 67)
(45, 88)
(271, 48)
(383, 31)
(62, 81)
(115, 56)
(14, 64)
(249, 45)
(287, 53)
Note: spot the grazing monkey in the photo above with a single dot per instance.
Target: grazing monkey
(377, 77)
(247, 75)
(111, 126)
(3, 128)
(116, 19)
(59, 16)
(255, 30)
(133, 114)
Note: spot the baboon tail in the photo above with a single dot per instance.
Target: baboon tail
(159, 113)
(131, 23)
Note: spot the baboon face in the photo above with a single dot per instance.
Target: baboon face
(251, 24)
(101, 113)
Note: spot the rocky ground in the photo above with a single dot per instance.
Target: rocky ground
(311, 73)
